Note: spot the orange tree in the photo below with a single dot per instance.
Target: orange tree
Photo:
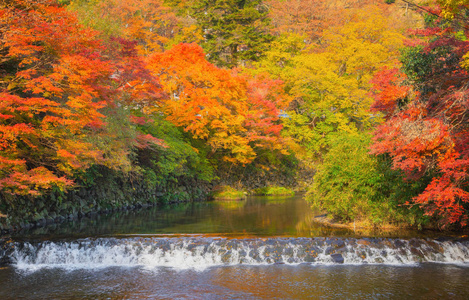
(151, 23)
(233, 113)
(56, 84)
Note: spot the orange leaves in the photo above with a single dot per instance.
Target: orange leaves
(32, 181)
(415, 141)
(445, 198)
(232, 112)
(69, 100)
(51, 95)
(200, 93)
(422, 143)
(148, 22)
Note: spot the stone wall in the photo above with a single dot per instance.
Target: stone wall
(108, 193)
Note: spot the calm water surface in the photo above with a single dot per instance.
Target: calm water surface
(258, 216)
(259, 248)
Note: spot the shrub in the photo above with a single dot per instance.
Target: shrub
(274, 191)
(227, 193)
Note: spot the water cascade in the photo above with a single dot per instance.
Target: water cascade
(200, 252)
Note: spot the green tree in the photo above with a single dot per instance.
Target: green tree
(235, 31)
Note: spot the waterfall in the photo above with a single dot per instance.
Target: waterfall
(200, 253)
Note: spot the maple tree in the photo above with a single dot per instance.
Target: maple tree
(150, 23)
(426, 130)
(233, 114)
(57, 85)
(33, 121)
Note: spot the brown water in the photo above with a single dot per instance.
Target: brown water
(259, 248)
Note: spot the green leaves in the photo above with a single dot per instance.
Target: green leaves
(354, 185)
(235, 31)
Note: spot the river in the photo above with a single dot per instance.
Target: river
(258, 248)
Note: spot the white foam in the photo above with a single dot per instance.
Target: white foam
(201, 253)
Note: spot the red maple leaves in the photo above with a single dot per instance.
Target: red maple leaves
(428, 133)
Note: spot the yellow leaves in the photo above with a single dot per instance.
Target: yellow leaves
(187, 34)
(331, 80)
(452, 7)
(465, 61)
(365, 43)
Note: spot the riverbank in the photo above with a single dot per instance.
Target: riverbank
(327, 220)
(391, 229)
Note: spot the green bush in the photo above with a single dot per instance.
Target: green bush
(274, 191)
(227, 193)
(353, 185)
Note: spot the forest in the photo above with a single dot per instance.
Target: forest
(369, 95)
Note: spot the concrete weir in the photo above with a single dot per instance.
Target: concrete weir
(203, 252)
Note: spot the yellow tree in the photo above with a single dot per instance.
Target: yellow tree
(331, 81)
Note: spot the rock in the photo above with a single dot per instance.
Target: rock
(341, 250)
(337, 258)
(363, 242)
(41, 223)
(399, 244)
(416, 252)
(5, 249)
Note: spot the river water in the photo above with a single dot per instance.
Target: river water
(258, 248)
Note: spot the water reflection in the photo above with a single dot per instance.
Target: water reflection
(242, 282)
(254, 216)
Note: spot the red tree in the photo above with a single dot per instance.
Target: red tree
(428, 132)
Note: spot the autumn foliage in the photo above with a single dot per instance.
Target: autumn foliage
(57, 82)
(154, 90)
(426, 131)
(233, 113)
(71, 100)
(51, 95)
